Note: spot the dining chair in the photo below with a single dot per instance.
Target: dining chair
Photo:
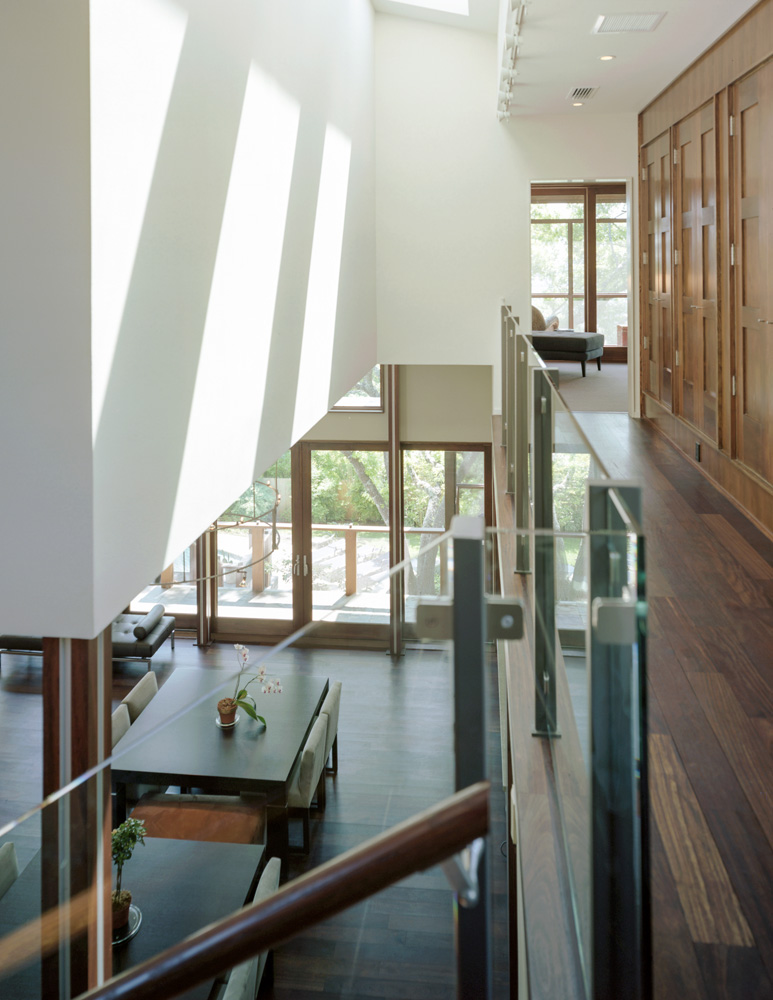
(9, 867)
(245, 979)
(141, 695)
(225, 819)
(308, 778)
(330, 708)
(121, 723)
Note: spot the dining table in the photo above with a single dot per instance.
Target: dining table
(180, 886)
(177, 740)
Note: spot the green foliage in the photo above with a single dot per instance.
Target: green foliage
(349, 487)
(124, 839)
(570, 474)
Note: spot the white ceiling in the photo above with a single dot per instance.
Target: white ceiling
(558, 51)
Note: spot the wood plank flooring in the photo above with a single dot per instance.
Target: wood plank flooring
(395, 759)
(710, 651)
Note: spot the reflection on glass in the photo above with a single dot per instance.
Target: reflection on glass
(254, 566)
(171, 588)
(350, 536)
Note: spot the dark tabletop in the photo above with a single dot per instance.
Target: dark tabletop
(179, 885)
(193, 752)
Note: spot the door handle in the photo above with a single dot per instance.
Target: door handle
(305, 567)
(297, 566)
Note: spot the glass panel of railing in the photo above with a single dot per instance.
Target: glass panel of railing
(574, 463)
(227, 779)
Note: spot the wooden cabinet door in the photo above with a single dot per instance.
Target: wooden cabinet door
(657, 357)
(697, 370)
(753, 232)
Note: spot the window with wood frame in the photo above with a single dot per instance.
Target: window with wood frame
(580, 260)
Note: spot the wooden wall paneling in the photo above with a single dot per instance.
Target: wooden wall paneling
(695, 193)
(657, 244)
(747, 491)
(753, 231)
(748, 43)
(724, 276)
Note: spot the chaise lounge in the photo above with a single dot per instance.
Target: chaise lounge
(135, 637)
(553, 344)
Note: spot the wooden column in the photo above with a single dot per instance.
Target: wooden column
(257, 535)
(76, 856)
(350, 549)
(396, 543)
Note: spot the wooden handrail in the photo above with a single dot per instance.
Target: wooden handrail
(417, 844)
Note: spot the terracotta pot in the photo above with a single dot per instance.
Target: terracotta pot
(121, 902)
(227, 709)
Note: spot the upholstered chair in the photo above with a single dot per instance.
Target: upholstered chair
(245, 980)
(121, 723)
(9, 867)
(308, 777)
(330, 708)
(141, 695)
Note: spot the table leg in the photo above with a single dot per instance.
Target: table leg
(120, 803)
(278, 835)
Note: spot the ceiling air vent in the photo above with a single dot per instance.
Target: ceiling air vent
(615, 24)
(581, 93)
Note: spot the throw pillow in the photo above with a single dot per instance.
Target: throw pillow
(537, 319)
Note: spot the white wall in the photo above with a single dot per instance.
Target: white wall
(45, 381)
(453, 191)
(233, 252)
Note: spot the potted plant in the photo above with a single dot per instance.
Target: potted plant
(125, 838)
(241, 698)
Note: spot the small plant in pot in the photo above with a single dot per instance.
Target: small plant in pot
(241, 698)
(125, 838)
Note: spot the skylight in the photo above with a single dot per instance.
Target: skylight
(446, 6)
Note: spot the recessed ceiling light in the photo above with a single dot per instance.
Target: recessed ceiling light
(577, 104)
(606, 58)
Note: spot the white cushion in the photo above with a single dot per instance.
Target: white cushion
(9, 867)
(330, 708)
(244, 978)
(121, 722)
(140, 695)
(308, 771)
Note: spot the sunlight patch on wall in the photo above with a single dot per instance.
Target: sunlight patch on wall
(311, 400)
(231, 377)
(135, 51)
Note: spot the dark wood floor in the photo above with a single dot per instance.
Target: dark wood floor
(395, 759)
(710, 591)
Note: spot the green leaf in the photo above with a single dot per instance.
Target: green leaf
(241, 694)
(249, 710)
(261, 719)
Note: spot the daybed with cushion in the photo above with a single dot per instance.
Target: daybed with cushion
(135, 637)
(553, 344)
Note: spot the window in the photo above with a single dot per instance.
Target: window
(579, 258)
(365, 395)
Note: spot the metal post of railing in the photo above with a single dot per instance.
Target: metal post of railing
(504, 315)
(509, 404)
(474, 969)
(545, 723)
(617, 889)
(520, 455)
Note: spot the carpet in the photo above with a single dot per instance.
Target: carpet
(604, 391)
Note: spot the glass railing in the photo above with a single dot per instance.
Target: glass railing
(396, 759)
(577, 543)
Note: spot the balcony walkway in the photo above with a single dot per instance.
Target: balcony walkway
(710, 591)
